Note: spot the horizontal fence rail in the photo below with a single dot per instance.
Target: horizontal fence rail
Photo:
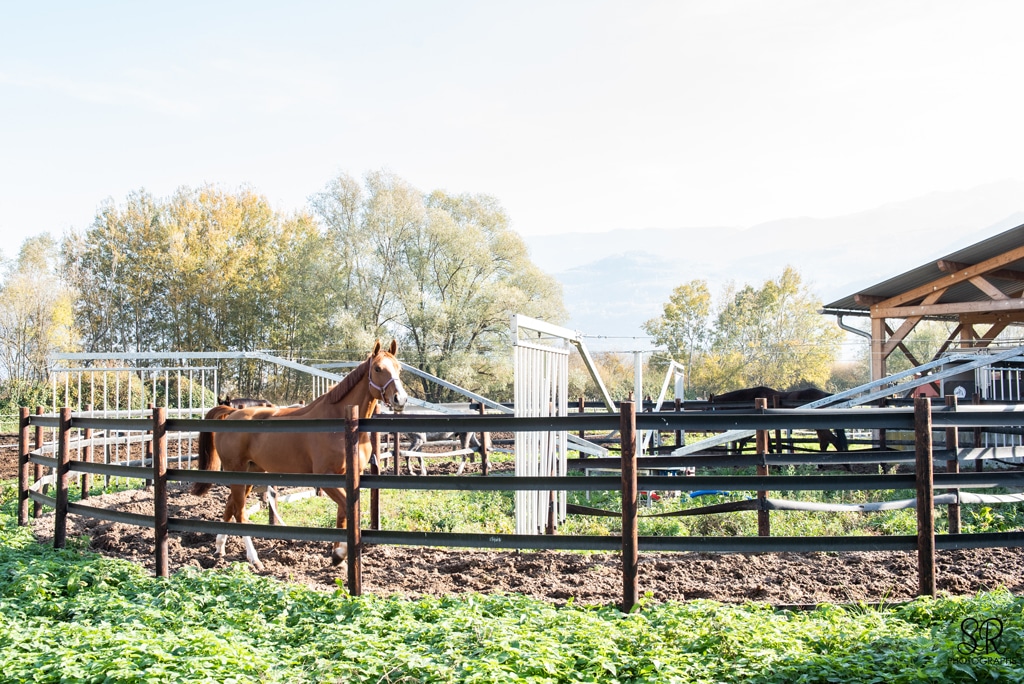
(636, 473)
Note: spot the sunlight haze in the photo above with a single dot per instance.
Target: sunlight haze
(577, 116)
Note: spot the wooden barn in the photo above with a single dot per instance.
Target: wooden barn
(978, 289)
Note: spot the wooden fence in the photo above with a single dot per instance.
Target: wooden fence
(923, 420)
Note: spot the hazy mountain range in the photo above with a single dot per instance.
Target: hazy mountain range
(614, 281)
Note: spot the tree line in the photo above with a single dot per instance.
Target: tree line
(212, 270)
(208, 269)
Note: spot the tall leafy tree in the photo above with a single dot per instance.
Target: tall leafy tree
(209, 269)
(685, 325)
(115, 269)
(442, 272)
(779, 334)
(771, 335)
(35, 312)
(468, 272)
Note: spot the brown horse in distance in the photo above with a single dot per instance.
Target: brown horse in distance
(787, 399)
(243, 402)
(376, 379)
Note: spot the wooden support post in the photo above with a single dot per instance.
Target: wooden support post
(60, 516)
(23, 470)
(630, 505)
(37, 470)
(953, 466)
(764, 525)
(925, 496)
(485, 447)
(355, 567)
(87, 456)
(159, 447)
(375, 470)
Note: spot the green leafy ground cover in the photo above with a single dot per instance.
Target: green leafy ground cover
(73, 616)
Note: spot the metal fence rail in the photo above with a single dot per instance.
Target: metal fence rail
(922, 420)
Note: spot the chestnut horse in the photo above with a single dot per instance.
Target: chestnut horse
(322, 453)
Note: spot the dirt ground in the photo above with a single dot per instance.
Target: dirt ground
(784, 579)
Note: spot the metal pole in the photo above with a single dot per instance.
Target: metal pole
(925, 496)
(630, 505)
(60, 517)
(87, 456)
(953, 466)
(37, 470)
(159, 448)
(355, 579)
(764, 528)
(485, 447)
(375, 470)
(23, 471)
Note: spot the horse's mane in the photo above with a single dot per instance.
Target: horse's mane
(348, 383)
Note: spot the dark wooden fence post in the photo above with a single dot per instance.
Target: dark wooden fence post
(764, 525)
(60, 517)
(953, 466)
(87, 456)
(630, 505)
(355, 568)
(159, 449)
(925, 496)
(23, 471)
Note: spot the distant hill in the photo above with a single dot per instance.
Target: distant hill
(616, 280)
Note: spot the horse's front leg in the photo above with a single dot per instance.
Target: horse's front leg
(340, 551)
(235, 508)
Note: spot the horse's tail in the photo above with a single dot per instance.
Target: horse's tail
(209, 459)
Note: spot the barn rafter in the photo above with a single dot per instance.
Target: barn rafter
(980, 288)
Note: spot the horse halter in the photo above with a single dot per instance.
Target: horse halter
(380, 389)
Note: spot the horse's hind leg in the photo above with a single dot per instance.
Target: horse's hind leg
(340, 551)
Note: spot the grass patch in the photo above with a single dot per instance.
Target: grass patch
(73, 616)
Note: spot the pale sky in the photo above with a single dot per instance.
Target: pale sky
(577, 116)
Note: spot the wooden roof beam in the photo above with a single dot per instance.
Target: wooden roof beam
(988, 288)
(956, 308)
(868, 300)
(945, 282)
(947, 266)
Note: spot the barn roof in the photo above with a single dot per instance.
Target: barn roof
(1005, 251)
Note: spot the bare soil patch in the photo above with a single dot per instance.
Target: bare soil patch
(558, 577)
(776, 578)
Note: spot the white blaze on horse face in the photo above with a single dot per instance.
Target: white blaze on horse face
(399, 398)
(392, 392)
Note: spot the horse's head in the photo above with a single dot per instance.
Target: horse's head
(384, 377)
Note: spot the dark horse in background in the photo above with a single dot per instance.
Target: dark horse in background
(786, 399)
(242, 402)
